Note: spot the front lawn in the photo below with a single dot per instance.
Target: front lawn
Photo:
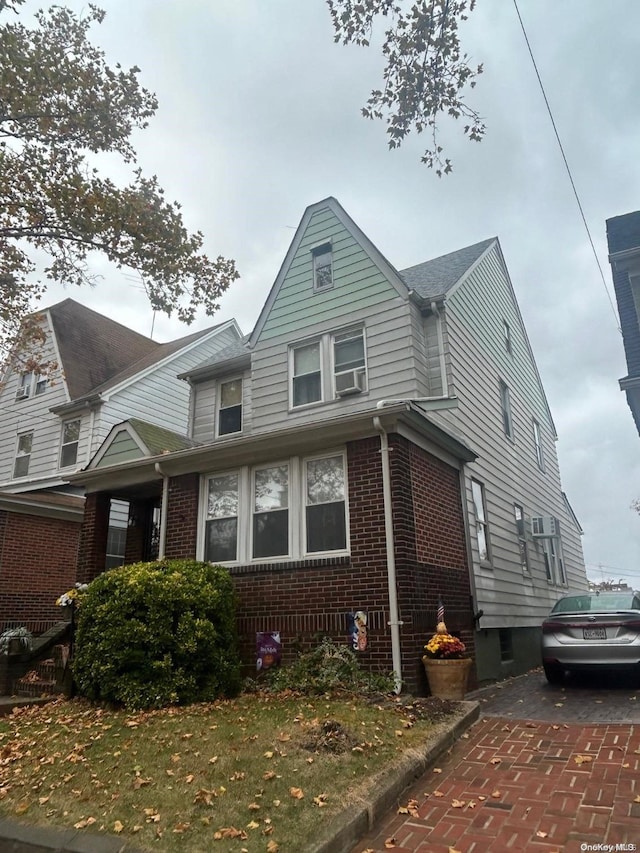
(258, 773)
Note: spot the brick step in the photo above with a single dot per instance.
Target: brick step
(34, 687)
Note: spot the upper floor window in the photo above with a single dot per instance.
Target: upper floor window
(230, 407)
(537, 442)
(482, 526)
(23, 454)
(522, 537)
(338, 358)
(506, 328)
(322, 267)
(505, 402)
(306, 371)
(553, 562)
(31, 384)
(70, 439)
(348, 362)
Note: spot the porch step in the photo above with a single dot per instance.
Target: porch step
(45, 677)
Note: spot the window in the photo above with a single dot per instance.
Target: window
(348, 361)
(307, 374)
(507, 337)
(23, 454)
(271, 512)
(31, 384)
(339, 354)
(522, 537)
(289, 510)
(505, 402)
(553, 562)
(230, 407)
(506, 644)
(537, 442)
(325, 505)
(221, 526)
(70, 437)
(322, 267)
(482, 528)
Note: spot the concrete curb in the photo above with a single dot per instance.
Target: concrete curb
(347, 829)
(22, 838)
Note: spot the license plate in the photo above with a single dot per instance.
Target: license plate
(594, 633)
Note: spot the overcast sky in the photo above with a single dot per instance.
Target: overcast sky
(259, 117)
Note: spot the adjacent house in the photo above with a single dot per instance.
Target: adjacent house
(379, 442)
(623, 236)
(52, 425)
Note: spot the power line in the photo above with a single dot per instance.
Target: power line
(566, 163)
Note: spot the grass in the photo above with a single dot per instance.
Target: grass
(256, 774)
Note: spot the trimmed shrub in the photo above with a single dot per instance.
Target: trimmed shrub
(155, 634)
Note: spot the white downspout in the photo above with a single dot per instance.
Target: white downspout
(163, 511)
(394, 622)
(443, 365)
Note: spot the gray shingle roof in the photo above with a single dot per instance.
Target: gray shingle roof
(237, 349)
(436, 277)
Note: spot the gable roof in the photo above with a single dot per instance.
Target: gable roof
(159, 440)
(92, 347)
(436, 277)
(236, 355)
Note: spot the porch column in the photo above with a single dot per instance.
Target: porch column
(92, 552)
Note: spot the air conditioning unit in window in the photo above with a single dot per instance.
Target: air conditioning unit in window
(22, 393)
(349, 382)
(545, 526)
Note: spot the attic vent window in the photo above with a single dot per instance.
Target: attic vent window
(322, 267)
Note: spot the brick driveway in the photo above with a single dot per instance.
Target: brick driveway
(543, 770)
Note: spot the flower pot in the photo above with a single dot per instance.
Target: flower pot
(447, 677)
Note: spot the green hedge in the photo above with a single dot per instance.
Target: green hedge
(154, 634)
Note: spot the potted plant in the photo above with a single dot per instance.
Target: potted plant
(446, 664)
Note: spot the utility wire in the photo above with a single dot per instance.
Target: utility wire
(566, 163)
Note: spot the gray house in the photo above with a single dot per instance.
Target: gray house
(380, 440)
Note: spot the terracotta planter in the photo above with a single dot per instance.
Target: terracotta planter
(447, 678)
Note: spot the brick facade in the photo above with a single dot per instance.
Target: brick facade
(38, 558)
(93, 539)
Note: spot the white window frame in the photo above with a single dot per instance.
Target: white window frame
(523, 545)
(482, 520)
(241, 502)
(34, 383)
(355, 332)
(220, 408)
(537, 444)
(301, 345)
(554, 561)
(22, 455)
(69, 443)
(303, 502)
(321, 251)
(274, 558)
(297, 510)
(505, 408)
(326, 344)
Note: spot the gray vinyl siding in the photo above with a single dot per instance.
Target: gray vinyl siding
(507, 468)
(205, 406)
(159, 397)
(32, 414)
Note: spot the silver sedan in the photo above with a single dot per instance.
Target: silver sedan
(590, 630)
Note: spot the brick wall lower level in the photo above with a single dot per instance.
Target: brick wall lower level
(38, 559)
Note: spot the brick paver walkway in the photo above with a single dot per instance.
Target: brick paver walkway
(517, 785)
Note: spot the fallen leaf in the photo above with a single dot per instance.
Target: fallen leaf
(272, 847)
(204, 796)
(269, 775)
(495, 761)
(637, 799)
(253, 825)
(296, 793)
(320, 800)
(496, 795)
(482, 798)
(559, 704)
(118, 827)
(181, 827)
(457, 804)
(189, 779)
(268, 755)
(213, 759)
(453, 850)
(583, 759)
(438, 794)
(541, 834)
(437, 770)
(229, 832)
(253, 807)
(390, 843)
(472, 804)
(283, 737)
